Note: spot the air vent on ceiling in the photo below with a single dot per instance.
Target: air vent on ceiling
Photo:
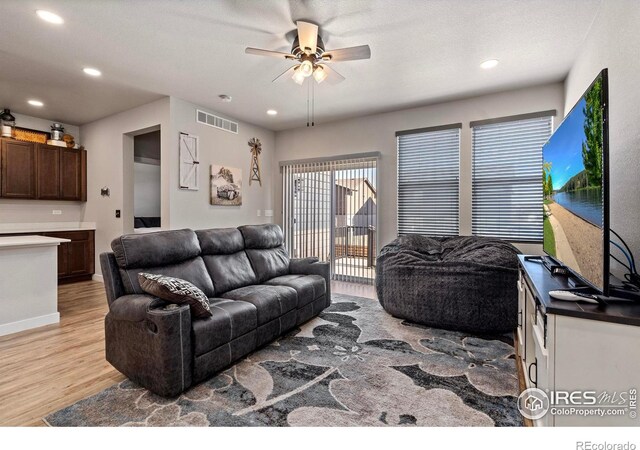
(206, 118)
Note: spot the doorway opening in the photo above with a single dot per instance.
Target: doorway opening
(330, 212)
(142, 189)
(146, 184)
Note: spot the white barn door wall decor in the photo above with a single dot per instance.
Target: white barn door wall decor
(189, 162)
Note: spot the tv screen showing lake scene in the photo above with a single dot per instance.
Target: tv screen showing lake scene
(572, 185)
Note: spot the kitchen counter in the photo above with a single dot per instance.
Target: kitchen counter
(45, 227)
(28, 282)
(29, 241)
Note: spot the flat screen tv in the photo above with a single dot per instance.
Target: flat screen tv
(576, 189)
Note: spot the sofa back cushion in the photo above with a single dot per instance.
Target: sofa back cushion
(265, 249)
(226, 261)
(173, 253)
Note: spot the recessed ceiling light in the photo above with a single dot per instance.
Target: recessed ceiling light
(50, 17)
(272, 112)
(35, 103)
(91, 71)
(489, 64)
(224, 97)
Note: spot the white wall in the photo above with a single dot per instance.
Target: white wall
(106, 147)
(109, 143)
(377, 133)
(614, 43)
(191, 208)
(37, 211)
(146, 190)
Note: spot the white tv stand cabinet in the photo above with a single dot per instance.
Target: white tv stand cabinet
(567, 346)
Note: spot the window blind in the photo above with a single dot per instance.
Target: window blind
(507, 179)
(330, 212)
(428, 182)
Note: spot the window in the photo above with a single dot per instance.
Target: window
(428, 181)
(330, 212)
(507, 178)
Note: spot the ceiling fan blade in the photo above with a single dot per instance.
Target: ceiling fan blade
(261, 52)
(307, 36)
(286, 75)
(348, 54)
(333, 77)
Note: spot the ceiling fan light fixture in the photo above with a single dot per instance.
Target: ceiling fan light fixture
(298, 76)
(306, 68)
(319, 74)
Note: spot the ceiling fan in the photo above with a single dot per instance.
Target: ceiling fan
(311, 57)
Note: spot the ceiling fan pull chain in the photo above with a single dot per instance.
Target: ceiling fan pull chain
(308, 106)
(313, 103)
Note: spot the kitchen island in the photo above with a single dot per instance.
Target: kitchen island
(28, 282)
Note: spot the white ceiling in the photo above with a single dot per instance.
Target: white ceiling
(423, 51)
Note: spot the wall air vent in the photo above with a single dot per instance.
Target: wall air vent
(206, 118)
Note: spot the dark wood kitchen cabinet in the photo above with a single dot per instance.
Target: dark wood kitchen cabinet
(73, 170)
(48, 172)
(43, 172)
(18, 174)
(76, 259)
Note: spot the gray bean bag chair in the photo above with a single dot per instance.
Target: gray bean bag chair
(463, 283)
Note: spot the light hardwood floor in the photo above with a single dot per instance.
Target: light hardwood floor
(48, 368)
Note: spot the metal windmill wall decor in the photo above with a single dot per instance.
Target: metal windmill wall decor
(254, 170)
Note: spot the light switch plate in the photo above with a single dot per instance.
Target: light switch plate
(268, 212)
(56, 212)
(259, 212)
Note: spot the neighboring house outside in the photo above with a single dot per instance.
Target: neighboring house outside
(356, 203)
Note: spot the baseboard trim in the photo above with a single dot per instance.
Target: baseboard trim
(27, 324)
(98, 278)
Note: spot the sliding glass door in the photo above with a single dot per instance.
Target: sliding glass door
(330, 212)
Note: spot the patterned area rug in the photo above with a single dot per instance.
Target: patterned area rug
(354, 365)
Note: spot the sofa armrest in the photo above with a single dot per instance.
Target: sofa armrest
(312, 266)
(150, 344)
(134, 308)
(111, 276)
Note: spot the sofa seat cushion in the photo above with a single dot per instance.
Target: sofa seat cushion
(229, 320)
(271, 302)
(308, 287)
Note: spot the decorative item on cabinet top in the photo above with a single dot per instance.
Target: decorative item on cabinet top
(254, 170)
(8, 123)
(27, 135)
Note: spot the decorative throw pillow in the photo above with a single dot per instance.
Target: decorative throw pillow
(176, 290)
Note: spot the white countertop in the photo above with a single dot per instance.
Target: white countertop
(45, 227)
(29, 241)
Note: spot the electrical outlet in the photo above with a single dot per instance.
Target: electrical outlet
(259, 212)
(56, 212)
(117, 213)
(268, 212)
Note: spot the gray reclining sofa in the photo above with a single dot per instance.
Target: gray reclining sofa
(255, 291)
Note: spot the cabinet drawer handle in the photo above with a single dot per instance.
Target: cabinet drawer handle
(533, 364)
